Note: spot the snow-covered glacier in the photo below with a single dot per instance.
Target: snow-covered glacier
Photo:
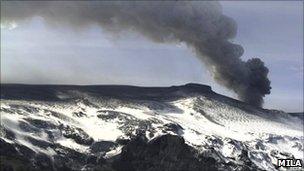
(190, 127)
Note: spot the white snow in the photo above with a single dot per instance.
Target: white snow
(217, 119)
(113, 152)
(70, 143)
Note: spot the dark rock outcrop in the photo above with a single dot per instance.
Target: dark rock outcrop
(168, 152)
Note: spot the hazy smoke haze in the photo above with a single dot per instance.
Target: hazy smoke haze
(200, 25)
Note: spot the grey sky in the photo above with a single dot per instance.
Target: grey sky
(271, 30)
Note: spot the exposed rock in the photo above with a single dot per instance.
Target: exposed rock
(102, 146)
(167, 152)
(77, 134)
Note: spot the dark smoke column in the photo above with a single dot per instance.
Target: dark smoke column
(200, 25)
(258, 84)
(247, 79)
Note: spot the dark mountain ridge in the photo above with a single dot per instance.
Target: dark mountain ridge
(49, 92)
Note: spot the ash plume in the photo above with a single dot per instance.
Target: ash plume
(200, 25)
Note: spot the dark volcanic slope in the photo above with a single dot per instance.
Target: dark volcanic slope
(123, 92)
(49, 92)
